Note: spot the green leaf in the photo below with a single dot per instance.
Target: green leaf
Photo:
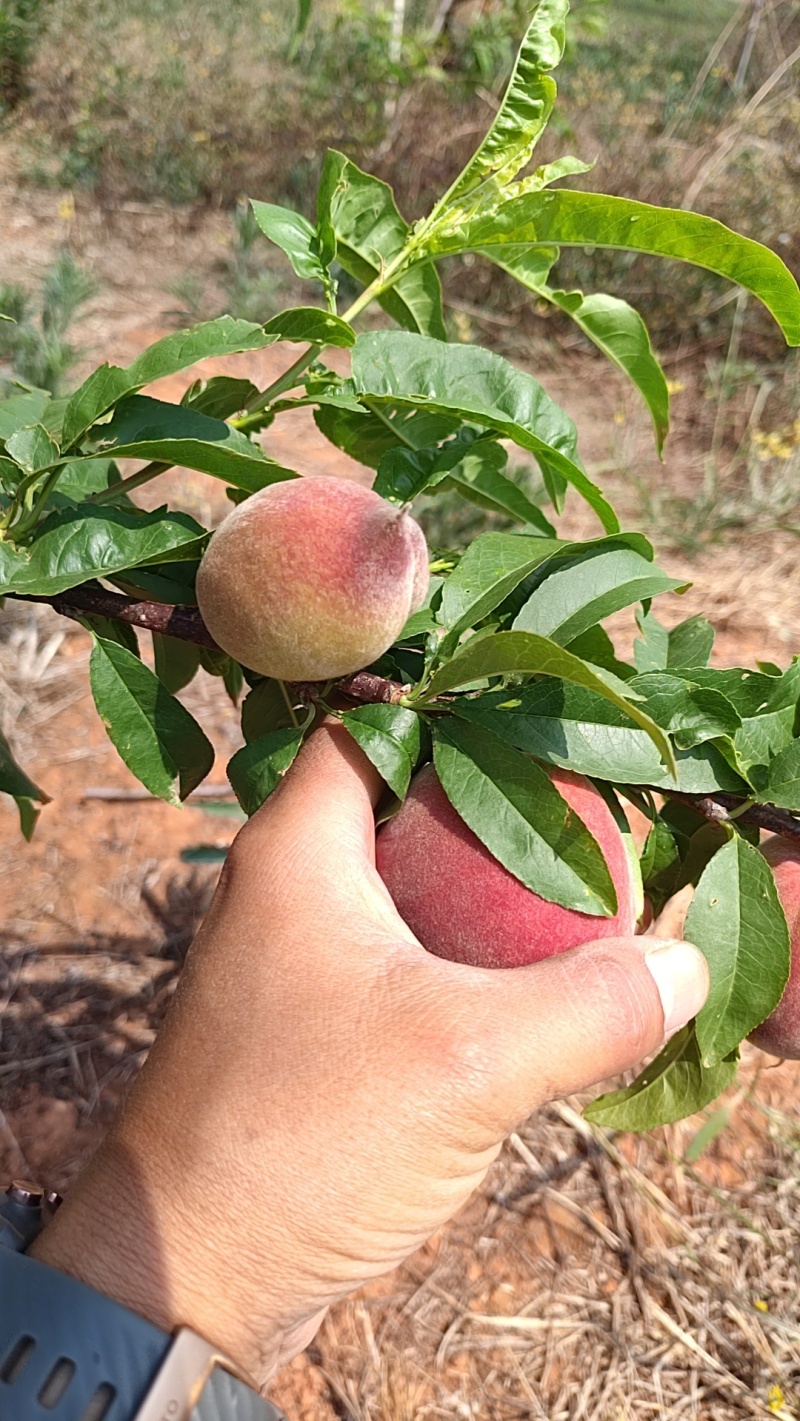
(611, 324)
(692, 714)
(391, 737)
(13, 779)
(367, 436)
(265, 709)
(258, 768)
(526, 107)
(514, 653)
(492, 566)
(28, 816)
(783, 783)
(396, 368)
(762, 737)
(80, 543)
(160, 742)
(22, 409)
(311, 324)
(295, 236)
(586, 590)
(517, 812)
(109, 384)
(112, 630)
(736, 920)
(220, 397)
(690, 643)
(479, 479)
(370, 233)
(176, 662)
(674, 1085)
(80, 478)
(748, 691)
(142, 428)
(560, 217)
(565, 724)
(32, 448)
(651, 649)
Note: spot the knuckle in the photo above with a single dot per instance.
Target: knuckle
(620, 999)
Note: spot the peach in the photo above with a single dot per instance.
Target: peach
(462, 904)
(312, 578)
(780, 1033)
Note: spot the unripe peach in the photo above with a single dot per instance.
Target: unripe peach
(462, 904)
(312, 578)
(780, 1033)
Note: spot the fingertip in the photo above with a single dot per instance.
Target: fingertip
(680, 972)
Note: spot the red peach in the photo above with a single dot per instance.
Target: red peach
(780, 1033)
(464, 905)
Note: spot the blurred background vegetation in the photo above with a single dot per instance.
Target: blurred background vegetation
(203, 101)
(206, 102)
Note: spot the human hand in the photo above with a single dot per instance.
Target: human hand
(325, 1093)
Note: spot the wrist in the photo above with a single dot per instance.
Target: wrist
(131, 1233)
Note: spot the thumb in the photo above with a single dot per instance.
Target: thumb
(575, 1019)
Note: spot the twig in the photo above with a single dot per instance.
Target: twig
(183, 623)
(186, 624)
(721, 809)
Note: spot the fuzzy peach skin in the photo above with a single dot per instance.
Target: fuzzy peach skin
(312, 578)
(464, 905)
(780, 1033)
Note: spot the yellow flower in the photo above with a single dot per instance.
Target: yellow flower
(775, 1398)
(619, 417)
(760, 1305)
(66, 208)
(674, 387)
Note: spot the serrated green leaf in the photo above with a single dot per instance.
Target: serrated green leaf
(370, 233)
(176, 662)
(160, 742)
(651, 648)
(565, 724)
(674, 1085)
(404, 474)
(492, 566)
(391, 737)
(479, 479)
(783, 781)
(109, 384)
(220, 397)
(761, 737)
(514, 653)
(690, 643)
(295, 236)
(525, 109)
(265, 710)
(311, 324)
(610, 323)
(474, 385)
(589, 588)
(80, 543)
(367, 436)
(19, 410)
(691, 714)
(258, 768)
(560, 217)
(747, 691)
(736, 920)
(513, 807)
(142, 428)
(32, 448)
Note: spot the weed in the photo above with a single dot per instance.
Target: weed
(36, 346)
